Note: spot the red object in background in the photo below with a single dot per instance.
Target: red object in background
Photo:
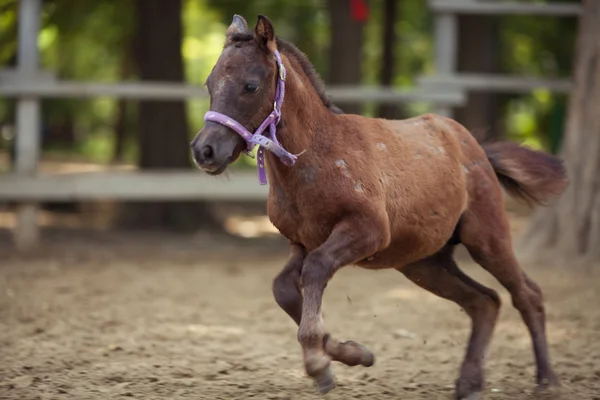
(359, 10)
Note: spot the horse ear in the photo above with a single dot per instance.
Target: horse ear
(238, 25)
(265, 33)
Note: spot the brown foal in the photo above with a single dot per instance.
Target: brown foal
(376, 193)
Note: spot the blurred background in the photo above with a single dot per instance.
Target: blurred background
(353, 44)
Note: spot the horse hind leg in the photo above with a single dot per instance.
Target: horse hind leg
(440, 275)
(485, 232)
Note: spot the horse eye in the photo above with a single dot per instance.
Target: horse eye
(250, 87)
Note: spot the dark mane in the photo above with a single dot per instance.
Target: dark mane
(310, 72)
(305, 64)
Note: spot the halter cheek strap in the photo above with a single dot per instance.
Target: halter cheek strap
(269, 140)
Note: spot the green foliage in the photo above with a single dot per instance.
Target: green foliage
(8, 52)
(542, 47)
(8, 27)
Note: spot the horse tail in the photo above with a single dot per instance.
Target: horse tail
(527, 174)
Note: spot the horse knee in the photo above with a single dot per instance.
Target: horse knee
(485, 307)
(527, 299)
(533, 286)
(492, 300)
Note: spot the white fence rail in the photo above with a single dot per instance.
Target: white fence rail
(493, 83)
(173, 91)
(487, 7)
(132, 185)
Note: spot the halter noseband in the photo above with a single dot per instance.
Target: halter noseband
(269, 140)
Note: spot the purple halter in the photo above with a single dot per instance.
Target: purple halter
(252, 139)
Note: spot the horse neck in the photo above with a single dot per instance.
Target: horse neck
(302, 112)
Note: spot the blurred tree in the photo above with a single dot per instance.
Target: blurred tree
(163, 138)
(59, 114)
(478, 52)
(411, 53)
(8, 59)
(388, 57)
(123, 123)
(347, 19)
(163, 129)
(571, 228)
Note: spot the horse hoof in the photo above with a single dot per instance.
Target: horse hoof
(324, 381)
(548, 386)
(546, 383)
(367, 358)
(470, 385)
(551, 389)
(471, 396)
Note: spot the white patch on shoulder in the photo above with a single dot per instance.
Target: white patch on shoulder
(358, 186)
(341, 164)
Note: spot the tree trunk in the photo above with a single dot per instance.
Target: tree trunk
(345, 51)
(163, 124)
(163, 131)
(388, 62)
(123, 105)
(60, 131)
(570, 229)
(10, 117)
(120, 131)
(478, 51)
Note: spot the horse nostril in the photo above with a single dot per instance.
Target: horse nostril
(207, 153)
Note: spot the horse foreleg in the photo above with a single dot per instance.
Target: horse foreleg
(286, 290)
(347, 244)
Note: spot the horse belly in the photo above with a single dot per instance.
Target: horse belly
(409, 247)
(422, 227)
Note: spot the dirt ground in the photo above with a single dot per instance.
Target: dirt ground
(168, 317)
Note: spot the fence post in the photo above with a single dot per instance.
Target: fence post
(445, 37)
(27, 146)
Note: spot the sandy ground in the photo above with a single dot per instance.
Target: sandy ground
(166, 317)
